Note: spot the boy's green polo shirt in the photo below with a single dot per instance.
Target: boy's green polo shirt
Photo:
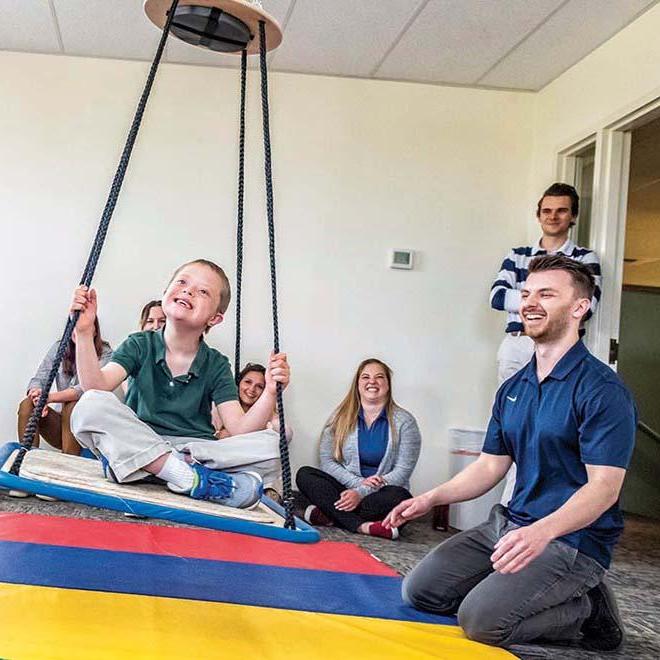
(178, 406)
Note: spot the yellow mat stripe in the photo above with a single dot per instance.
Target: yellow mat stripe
(52, 623)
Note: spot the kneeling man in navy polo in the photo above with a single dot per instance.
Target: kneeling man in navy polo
(533, 572)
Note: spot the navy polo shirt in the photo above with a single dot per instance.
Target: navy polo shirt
(372, 442)
(580, 414)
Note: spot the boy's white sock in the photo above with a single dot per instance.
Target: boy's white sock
(177, 473)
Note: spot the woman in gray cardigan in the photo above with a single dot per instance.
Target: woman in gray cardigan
(54, 426)
(368, 451)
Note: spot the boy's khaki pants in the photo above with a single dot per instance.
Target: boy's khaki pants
(110, 428)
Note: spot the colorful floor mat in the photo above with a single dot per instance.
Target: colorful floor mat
(72, 588)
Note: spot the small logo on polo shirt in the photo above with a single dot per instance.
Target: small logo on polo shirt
(513, 399)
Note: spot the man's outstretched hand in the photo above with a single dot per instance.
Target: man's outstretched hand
(408, 510)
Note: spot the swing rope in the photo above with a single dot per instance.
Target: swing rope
(31, 429)
(239, 219)
(289, 522)
(102, 230)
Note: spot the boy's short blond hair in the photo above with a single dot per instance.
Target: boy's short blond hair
(225, 288)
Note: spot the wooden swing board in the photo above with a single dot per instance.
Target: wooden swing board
(80, 480)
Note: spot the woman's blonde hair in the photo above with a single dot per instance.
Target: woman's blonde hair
(344, 419)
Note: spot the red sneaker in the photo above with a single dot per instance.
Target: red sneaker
(377, 529)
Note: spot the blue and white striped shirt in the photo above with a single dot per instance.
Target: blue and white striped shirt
(505, 292)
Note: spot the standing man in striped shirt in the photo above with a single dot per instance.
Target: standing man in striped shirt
(556, 211)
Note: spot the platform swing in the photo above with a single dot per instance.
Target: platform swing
(224, 26)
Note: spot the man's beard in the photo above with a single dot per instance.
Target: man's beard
(553, 330)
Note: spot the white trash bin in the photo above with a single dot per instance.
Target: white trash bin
(464, 448)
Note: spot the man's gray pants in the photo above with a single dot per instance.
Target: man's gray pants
(546, 601)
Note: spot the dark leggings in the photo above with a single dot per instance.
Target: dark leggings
(324, 490)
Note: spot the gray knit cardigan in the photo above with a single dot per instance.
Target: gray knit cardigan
(398, 462)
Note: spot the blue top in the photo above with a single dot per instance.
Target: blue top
(372, 442)
(581, 414)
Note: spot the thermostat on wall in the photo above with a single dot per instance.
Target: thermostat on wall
(402, 259)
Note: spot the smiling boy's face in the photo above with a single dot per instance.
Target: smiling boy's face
(193, 297)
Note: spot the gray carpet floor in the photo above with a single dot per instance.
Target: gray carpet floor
(635, 572)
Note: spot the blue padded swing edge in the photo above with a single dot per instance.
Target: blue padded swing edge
(304, 533)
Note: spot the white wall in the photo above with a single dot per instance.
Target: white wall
(360, 167)
(615, 79)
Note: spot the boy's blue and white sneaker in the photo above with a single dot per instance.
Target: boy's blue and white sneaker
(240, 490)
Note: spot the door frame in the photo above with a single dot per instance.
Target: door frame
(608, 215)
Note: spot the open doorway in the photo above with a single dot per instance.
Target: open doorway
(639, 326)
(584, 161)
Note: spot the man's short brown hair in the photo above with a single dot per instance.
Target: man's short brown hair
(582, 278)
(560, 189)
(225, 288)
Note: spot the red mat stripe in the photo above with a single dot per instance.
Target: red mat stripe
(185, 542)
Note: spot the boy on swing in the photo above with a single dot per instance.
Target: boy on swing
(165, 427)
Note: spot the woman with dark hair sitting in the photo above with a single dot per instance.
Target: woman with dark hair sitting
(54, 426)
(251, 383)
(368, 450)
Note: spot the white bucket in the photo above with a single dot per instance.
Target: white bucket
(464, 448)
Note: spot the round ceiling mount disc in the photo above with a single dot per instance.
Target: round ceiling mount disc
(227, 26)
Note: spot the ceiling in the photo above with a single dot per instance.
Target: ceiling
(510, 44)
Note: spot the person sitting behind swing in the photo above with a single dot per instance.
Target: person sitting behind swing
(164, 429)
(151, 316)
(251, 383)
(368, 450)
(54, 426)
